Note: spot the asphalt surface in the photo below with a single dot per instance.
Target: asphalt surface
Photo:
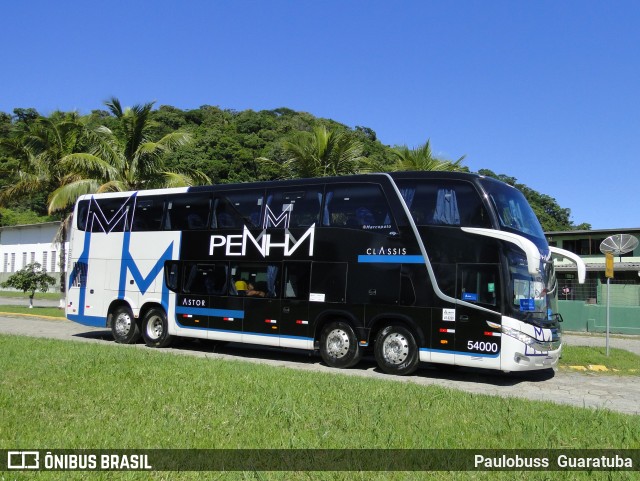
(581, 389)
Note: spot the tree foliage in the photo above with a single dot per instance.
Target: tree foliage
(125, 158)
(21, 216)
(35, 148)
(116, 148)
(422, 158)
(31, 278)
(321, 153)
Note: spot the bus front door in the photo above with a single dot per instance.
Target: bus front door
(477, 343)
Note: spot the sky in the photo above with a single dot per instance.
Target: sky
(546, 91)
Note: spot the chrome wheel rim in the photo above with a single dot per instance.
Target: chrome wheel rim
(338, 343)
(155, 328)
(123, 324)
(395, 348)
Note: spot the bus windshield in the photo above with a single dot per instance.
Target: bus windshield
(533, 297)
(514, 212)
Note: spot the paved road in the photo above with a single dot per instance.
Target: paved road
(617, 393)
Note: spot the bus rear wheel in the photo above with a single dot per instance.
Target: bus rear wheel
(339, 345)
(155, 329)
(124, 327)
(396, 350)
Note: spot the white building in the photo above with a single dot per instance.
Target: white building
(23, 244)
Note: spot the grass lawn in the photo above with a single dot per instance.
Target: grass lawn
(39, 295)
(59, 394)
(38, 311)
(619, 361)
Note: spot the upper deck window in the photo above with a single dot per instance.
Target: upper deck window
(225, 215)
(444, 202)
(187, 212)
(293, 208)
(148, 213)
(82, 215)
(105, 214)
(238, 208)
(358, 206)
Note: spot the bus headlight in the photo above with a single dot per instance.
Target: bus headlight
(533, 343)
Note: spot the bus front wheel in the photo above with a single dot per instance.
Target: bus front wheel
(155, 329)
(339, 345)
(396, 350)
(124, 327)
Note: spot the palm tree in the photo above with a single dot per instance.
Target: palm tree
(124, 159)
(322, 153)
(421, 158)
(38, 146)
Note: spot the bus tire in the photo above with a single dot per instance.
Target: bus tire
(396, 350)
(124, 327)
(339, 345)
(155, 328)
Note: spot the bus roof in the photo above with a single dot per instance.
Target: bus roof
(340, 179)
(372, 177)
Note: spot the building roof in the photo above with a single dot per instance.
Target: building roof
(598, 266)
(31, 226)
(623, 230)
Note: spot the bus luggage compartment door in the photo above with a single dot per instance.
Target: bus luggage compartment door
(294, 325)
(262, 321)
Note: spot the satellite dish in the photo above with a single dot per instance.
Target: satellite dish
(619, 244)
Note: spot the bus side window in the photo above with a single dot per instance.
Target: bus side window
(256, 280)
(478, 283)
(208, 279)
(293, 209)
(296, 280)
(188, 212)
(148, 214)
(444, 202)
(246, 204)
(328, 282)
(111, 215)
(171, 275)
(358, 206)
(224, 215)
(83, 213)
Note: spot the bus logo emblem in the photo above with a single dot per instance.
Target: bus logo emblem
(236, 244)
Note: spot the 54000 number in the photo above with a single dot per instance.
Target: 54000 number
(482, 346)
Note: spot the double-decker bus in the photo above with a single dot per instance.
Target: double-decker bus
(438, 267)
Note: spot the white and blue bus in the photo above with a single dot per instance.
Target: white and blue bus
(438, 267)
